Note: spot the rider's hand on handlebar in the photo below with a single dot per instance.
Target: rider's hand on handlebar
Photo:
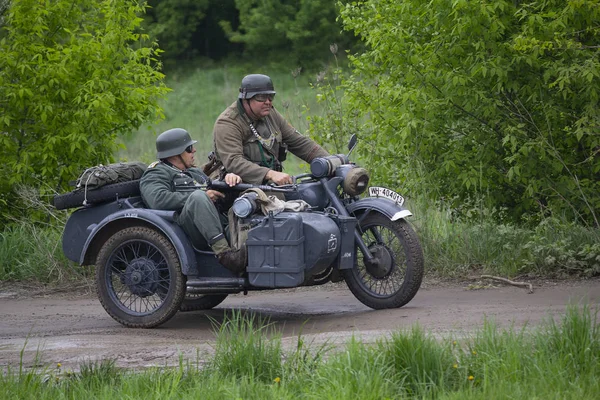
(232, 179)
(214, 195)
(279, 178)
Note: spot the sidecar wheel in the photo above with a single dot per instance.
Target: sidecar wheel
(196, 302)
(139, 279)
(395, 276)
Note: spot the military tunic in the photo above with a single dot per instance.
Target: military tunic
(165, 187)
(240, 151)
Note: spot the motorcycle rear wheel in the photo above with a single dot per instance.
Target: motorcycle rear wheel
(138, 278)
(395, 276)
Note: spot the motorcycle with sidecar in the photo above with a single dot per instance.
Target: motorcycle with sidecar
(147, 269)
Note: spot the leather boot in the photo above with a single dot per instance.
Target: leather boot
(233, 260)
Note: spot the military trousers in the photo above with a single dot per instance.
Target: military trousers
(200, 220)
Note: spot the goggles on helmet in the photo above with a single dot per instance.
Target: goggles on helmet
(262, 97)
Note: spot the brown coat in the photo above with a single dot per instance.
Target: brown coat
(240, 151)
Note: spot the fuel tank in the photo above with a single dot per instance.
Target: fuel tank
(311, 192)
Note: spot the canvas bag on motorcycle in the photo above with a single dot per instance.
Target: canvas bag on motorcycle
(102, 175)
(238, 229)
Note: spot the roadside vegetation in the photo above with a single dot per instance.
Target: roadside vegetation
(497, 156)
(558, 360)
(457, 241)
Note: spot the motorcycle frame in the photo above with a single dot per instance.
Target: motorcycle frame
(123, 213)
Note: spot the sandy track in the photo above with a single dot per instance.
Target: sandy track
(73, 329)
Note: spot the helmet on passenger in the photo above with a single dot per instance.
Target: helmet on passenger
(173, 142)
(255, 84)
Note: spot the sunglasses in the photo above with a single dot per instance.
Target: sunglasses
(189, 149)
(261, 98)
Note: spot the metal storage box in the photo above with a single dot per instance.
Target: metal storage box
(276, 252)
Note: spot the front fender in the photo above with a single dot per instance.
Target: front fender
(159, 219)
(386, 207)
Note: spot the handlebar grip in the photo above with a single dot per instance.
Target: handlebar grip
(222, 185)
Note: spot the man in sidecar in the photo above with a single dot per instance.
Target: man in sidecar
(174, 183)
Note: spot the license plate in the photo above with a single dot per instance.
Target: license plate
(376, 191)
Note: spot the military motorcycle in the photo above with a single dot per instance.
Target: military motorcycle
(147, 269)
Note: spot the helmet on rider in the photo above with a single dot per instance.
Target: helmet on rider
(173, 142)
(256, 84)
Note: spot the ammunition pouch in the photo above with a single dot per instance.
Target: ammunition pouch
(274, 165)
(283, 149)
(214, 168)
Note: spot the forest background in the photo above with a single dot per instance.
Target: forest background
(485, 114)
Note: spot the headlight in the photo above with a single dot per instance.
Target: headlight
(356, 181)
(245, 205)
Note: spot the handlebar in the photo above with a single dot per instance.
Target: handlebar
(240, 187)
(302, 176)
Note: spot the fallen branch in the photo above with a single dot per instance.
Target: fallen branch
(521, 284)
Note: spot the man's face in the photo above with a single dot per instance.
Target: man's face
(261, 104)
(188, 156)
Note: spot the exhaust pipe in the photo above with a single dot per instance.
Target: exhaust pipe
(215, 285)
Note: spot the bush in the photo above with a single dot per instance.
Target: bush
(73, 76)
(499, 98)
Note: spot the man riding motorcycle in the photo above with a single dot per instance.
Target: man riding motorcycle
(251, 137)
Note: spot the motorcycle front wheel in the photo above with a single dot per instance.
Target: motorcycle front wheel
(394, 275)
(138, 278)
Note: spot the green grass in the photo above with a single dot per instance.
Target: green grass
(455, 247)
(558, 360)
(245, 348)
(33, 252)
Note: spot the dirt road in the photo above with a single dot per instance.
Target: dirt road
(69, 330)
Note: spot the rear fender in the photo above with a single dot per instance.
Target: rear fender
(160, 220)
(386, 207)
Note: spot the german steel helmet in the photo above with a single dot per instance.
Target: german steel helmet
(172, 142)
(255, 84)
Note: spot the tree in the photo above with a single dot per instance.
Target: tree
(186, 29)
(498, 98)
(3, 8)
(297, 32)
(73, 76)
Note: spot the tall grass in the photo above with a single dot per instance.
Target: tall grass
(558, 360)
(456, 246)
(33, 252)
(244, 348)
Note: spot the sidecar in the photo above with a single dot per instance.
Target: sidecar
(147, 269)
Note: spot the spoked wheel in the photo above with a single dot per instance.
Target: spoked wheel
(139, 279)
(195, 302)
(394, 275)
